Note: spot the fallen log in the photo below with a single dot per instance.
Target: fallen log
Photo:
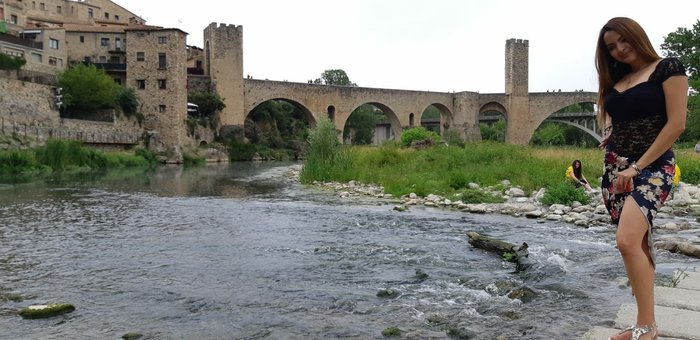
(507, 251)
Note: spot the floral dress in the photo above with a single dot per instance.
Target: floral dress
(638, 115)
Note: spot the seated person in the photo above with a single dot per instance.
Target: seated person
(574, 173)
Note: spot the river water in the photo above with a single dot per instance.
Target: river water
(239, 251)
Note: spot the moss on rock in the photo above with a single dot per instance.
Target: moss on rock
(46, 311)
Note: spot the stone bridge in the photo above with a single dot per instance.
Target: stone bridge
(523, 111)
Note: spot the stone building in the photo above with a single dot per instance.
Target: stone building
(53, 34)
(157, 68)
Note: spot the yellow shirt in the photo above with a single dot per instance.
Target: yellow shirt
(570, 173)
(677, 175)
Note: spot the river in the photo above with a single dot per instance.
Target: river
(239, 251)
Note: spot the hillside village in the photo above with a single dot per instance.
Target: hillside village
(52, 35)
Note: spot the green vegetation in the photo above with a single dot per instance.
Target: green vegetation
(59, 156)
(326, 158)
(362, 123)
(87, 88)
(683, 44)
(418, 134)
(46, 311)
(209, 103)
(564, 193)
(391, 331)
(10, 62)
(277, 129)
(334, 77)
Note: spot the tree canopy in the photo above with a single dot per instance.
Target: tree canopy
(87, 88)
(683, 44)
(334, 77)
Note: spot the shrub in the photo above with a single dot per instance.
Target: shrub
(126, 99)
(10, 62)
(478, 196)
(564, 193)
(325, 155)
(418, 134)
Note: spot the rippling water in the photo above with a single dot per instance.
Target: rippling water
(236, 251)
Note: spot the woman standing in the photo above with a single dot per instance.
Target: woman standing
(642, 105)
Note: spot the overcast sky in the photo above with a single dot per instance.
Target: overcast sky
(436, 45)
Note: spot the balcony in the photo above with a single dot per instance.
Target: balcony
(111, 67)
(23, 42)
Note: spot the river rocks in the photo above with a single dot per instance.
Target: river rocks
(46, 311)
(673, 217)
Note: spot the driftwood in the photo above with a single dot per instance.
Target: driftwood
(508, 251)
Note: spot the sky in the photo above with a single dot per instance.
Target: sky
(427, 45)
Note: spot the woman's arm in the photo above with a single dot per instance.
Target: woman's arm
(676, 94)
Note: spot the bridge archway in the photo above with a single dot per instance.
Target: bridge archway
(437, 117)
(582, 117)
(387, 127)
(279, 123)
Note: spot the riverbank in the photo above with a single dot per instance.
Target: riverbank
(676, 226)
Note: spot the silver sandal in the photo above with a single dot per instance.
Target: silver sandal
(638, 331)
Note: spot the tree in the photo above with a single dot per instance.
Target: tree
(209, 103)
(87, 88)
(362, 122)
(683, 44)
(335, 77)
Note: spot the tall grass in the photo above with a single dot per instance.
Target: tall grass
(326, 158)
(62, 156)
(449, 170)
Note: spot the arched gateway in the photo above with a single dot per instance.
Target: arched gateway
(523, 111)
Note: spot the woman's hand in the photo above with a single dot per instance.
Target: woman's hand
(603, 143)
(623, 181)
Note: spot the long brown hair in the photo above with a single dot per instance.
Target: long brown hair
(609, 70)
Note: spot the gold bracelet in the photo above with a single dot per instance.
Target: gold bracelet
(636, 168)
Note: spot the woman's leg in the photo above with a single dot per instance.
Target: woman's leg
(633, 246)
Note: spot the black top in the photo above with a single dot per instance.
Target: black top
(639, 113)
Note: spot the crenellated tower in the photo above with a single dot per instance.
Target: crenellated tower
(223, 63)
(517, 93)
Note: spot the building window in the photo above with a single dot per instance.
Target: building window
(104, 42)
(13, 19)
(59, 10)
(116, 17)
(161, 108)
(42, 6)
(140, 56)
(114, 59)
(161, 84)
(106, 15)
(89, 12)
(36, 57)
(33, 4)
(141, 84)
(162, 40)
(53, 43)
(52, 61)
(82, 39)
(60, 62)
(162, 61)
(118, 44)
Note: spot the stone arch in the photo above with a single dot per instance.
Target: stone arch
(393, 130)
(494, 106)
(446, 116)
(307, 113)
(589, 126)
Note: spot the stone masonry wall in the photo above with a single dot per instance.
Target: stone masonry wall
(27, 109)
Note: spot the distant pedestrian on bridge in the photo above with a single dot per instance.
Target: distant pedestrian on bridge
(574, 173)
(642, 103)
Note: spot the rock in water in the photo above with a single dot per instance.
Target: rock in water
(46, 311)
